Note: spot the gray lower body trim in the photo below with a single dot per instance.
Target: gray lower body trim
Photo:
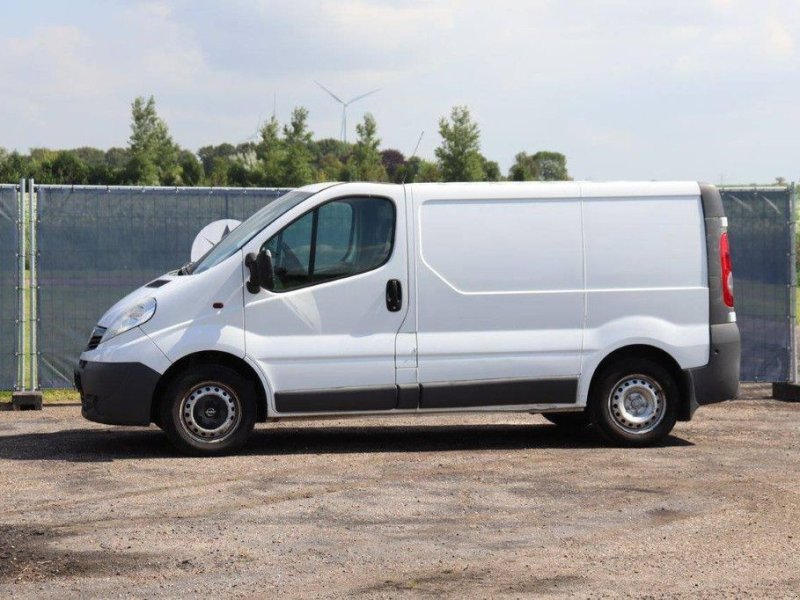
(499, 392)
(462, 394)
(719, 379)
(338, 400)
(116, 393)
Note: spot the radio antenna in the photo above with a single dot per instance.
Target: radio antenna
(413, 154)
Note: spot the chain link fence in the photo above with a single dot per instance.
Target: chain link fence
(97, 244)
(761, 228)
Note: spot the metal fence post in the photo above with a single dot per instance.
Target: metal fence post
(26, 397)
(33, 345)
(793, 277)
(19, 384)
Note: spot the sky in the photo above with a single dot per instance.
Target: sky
(627, 89)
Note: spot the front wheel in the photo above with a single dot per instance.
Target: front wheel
(634, 402)
(209, 410)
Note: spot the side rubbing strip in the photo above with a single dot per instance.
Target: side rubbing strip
(408, 396)
(500, 392)
(338, 400)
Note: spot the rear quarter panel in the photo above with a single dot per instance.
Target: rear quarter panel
(646, 273)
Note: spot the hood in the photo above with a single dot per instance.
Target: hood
(148, 290)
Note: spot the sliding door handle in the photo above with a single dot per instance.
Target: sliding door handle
(394, 295)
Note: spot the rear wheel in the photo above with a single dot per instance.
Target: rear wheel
(634, 402)
(208, 410)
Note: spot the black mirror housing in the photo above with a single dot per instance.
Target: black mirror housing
(266, 273)
(261, 271)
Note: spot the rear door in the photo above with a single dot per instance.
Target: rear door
(325, 337)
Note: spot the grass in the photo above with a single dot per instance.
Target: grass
(55, 396)
(52, 397)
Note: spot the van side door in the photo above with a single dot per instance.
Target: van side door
(501, 295)
(325, 335)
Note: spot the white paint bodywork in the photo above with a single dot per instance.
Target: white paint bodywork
(337, 334)
(500, 281)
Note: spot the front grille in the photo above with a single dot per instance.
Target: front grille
(94, 340)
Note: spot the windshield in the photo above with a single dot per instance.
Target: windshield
(245, 232)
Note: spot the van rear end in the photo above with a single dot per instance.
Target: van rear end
(719, 379)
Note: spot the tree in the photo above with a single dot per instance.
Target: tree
(427, 172)
(459, 153)
(269, 152)
(243, 170)
(117, 158)
(330, 168)
(419, 170)
(552, 166)
(542, 166)
(296, 160)
(153, 154)
(15, 167)
(321, 148)
(217, 175)
(116, 162)
(491, 170)
(191, 169)
(209, 154)
(67, 167)
(524, 168)
(365, 164)
(394, 162)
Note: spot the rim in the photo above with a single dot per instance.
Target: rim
(210, 412)
(636, 404)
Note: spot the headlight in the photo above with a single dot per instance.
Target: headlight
(138, 314)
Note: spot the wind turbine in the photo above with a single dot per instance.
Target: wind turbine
(345, 105)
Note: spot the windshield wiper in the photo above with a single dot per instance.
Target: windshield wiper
(187, 268)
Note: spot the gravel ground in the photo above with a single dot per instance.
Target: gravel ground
(475, 506)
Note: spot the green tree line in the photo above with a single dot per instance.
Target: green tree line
(285, 155)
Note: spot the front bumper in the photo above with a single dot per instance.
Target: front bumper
(116, 393)
(719, 379)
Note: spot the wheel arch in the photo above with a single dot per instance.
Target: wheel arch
(209, 357)
(657, 355)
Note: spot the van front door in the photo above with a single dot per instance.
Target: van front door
(325, 335)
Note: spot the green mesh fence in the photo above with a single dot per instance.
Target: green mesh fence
(8, 286)
(761, 233)
(97, 244)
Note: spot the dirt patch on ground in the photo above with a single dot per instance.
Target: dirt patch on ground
(27, 554)
(456, 506)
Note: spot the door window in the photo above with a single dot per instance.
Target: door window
(338, 239)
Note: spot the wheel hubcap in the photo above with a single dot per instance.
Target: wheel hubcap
(210, 412)
(636, 404)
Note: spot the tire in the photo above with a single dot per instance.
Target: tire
(634, 402)
(571, 421)
(209, 410)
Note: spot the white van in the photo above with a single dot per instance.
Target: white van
(601, 303)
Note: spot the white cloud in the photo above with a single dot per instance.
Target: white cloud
(598, 80)
(781, 41)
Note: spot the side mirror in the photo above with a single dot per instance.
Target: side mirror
(261, 271)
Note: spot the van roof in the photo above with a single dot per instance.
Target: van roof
(587, 189)
(534, 189)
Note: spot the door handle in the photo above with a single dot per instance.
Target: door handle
(394, 295)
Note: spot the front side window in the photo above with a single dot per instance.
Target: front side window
(337, 239)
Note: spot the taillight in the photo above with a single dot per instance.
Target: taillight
(727, 270)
